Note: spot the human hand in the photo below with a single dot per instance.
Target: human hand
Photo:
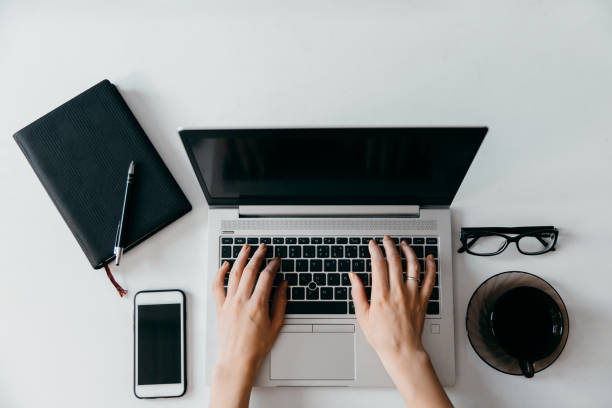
(246, 331)
(393, 321)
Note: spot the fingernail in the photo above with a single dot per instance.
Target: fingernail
(262, 246)
(225, 263)
(403, 243)
(372, 242)
(387, 236)
(245, 246)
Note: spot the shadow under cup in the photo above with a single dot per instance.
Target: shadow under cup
(517, 323)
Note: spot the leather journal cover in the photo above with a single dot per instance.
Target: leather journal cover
(81, 152)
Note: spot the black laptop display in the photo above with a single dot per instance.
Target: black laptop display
(423, 166)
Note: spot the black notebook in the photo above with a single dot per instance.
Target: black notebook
(81, 152)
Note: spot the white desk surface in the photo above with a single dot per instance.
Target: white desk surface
(538, 73)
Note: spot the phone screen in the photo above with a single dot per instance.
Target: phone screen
(159, 344)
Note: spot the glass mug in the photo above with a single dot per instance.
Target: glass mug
(517, 323)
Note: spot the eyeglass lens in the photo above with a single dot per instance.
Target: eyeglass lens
(536, 243)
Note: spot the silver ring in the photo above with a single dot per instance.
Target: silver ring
(413, 278)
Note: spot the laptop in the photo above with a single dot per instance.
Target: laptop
(316, 197)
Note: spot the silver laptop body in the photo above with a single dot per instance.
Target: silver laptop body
(328, 349)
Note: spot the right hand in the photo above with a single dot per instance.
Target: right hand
(393, 320)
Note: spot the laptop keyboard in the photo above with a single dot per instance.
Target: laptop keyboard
(317, 268)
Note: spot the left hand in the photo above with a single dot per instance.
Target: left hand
(246, 331)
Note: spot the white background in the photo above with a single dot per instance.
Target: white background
(538, 73)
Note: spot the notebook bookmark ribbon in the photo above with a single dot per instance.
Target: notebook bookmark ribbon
(122, 292)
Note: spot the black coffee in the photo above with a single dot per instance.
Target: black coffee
(527, 323)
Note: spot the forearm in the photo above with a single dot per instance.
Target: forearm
(416, 380)
(231, 387)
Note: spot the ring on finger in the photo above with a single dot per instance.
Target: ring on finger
(414, 278)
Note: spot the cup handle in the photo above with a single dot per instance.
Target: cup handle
(526, 368)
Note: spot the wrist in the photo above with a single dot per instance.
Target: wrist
(234, 373)
(404, 363)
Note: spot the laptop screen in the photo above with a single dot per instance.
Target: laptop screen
(401, 166)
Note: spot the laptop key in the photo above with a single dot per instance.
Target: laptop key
(364, 241)
(278, 278)
(297, 293)
(340, 293)
(280, 251)
(278, 240)
(407, 239)
(431, 250)
(312, 294)
(345, 280)
(287, 265)
(303, 240)
(266, 241)
(351, 251)
(433, 308)
(330, 265)
(309, 251)
(337, 251)
(342, 240)
(364, 251)
(301, 265)
(305, 278)
(240, 241)
(321, 307)
(322, 251)
(227, 240)
(333, 279)
(252, 241)
(418, 250)
(226, 251)
(329, 240)
(270, 251)
(292, 279)
(237, 249)
(351, 308)
(290, 241)
(435, 294)
(431, 241)
(316, 240)
(344, 265)
(319, 279)
(327, 293)
(295, 251)
(358, 265)
(316, 265)
(418, 241)
(368, 265)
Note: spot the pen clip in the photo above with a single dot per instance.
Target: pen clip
(117, 238)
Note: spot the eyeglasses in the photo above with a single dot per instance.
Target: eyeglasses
(494, 240)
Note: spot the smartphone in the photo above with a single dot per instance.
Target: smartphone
(159, 344)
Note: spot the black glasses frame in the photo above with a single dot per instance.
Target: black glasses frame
(470, 235)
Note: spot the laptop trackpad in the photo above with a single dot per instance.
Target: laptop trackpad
(313, 356)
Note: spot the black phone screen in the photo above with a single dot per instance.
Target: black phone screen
(159, 344)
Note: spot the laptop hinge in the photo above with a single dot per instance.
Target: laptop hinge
(246, 211)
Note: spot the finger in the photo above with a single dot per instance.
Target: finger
(217, 286)
(264, 283)
(360, 299)
(278, 307)
(237, 268)
(428, 281)
(396, 281)
(249, 276)
(412, 266)
(380, 275)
